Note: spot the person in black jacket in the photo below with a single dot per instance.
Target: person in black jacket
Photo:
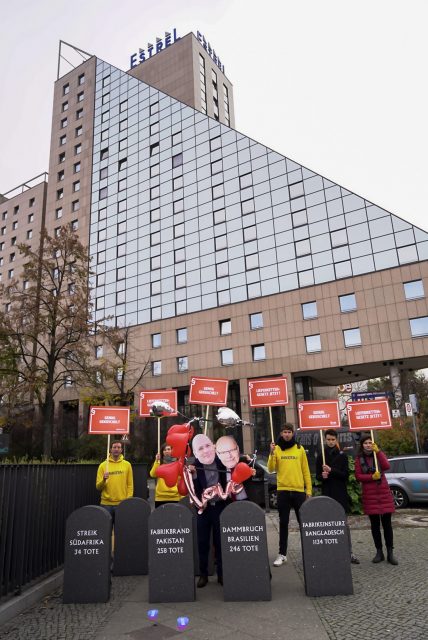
(333, 476)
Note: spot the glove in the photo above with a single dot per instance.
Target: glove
(375, 447)
(376, 475)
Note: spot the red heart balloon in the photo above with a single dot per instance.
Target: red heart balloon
(178, 428)
(182, 488)
(169, 472)
(178, 442)
(241, 472)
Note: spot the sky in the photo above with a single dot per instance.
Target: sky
(336, 85)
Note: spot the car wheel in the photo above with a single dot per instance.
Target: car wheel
(400, 497)
(273, 499)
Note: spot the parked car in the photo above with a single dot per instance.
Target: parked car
(270, 477)
(408, 479)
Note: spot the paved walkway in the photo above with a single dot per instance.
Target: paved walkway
(389, 602)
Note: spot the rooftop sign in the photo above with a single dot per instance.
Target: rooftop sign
(161, 43)
(206, 45)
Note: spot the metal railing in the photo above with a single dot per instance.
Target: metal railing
(35, 502)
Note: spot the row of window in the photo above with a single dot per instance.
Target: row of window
(226, 359)
(31, 204)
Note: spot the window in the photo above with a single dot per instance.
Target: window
(104, 153)
(123, 124)
(256, 321)
(247, 207)
(15, 225)
(414, 290)
(156, 340)
(102, 193)
(61, 157)
(352, 337)
(177, 160)
(60, 194)
(121, 250)
(68, 381)
(30, 218)
(106, 81)
(252, 261)
(225, 327)
(258, 352)
(154, 192)
(154, 108)
(76, 167)
(65, 89)
(154, 170)
(75, 205)
(176, 138)
(57, 232)
(13, 241)
(64, 123)
(29, 234)
(122, 164)
(154, 128)
(309, 310)
(74, 224)
(64, 106)
(156, 367)
(226, 357)
(16, 210)
(79, 114)
(182, 364)
(31, 202)
(80, 96)
(123, 106)
(121, 227)
(60, 176)
(4, 215)
(182, 335)
(120, 297)
(63, 140)
(81, 79)
(102, 213)
(10, 274)
(246, 180)
(103, 173)
(179, 255)
(76, 186)
(348, 303)
(79, 131)
(12, 256)
(154, 149)
(177, 183)
(415, 465)
(3, 231)
(419, 327)
(313, 343)
(215, 143)
(99, 351)
(77, 149)
(180, 281)
(58, 213)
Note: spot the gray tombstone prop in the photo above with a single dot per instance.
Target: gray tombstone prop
(246, 574)
(87, 557)
(211, 558)
(325, 547)
(171, 563)
(130, 556)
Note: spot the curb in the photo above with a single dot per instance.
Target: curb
(31, 596)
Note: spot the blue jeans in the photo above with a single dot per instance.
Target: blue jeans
(111, 509)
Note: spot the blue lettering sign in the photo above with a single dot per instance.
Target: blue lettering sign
(144, 54)
(213, 55)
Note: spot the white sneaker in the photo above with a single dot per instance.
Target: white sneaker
(279, 560)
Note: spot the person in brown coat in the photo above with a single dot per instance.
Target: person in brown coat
(378, 503)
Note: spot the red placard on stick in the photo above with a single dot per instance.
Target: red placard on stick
(368, 414)
(319, 414)
(208, 391)
(267, 392)
(108, 420)
(147, 398)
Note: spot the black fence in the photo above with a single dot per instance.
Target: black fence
(35, 502)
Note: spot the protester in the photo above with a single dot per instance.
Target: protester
(294, 484)
(333, 476)
(163, 493)
(378, 503)
(114, 479)
(227, 450)
(208, 472)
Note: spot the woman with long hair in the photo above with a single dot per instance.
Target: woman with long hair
(378, 503)
(163, 493)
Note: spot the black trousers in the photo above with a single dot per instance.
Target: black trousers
(375, 521)
(207, 521)
(286, 501)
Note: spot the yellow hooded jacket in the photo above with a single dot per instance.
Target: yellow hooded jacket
(120, 483)
(163, 492)
(292, 469)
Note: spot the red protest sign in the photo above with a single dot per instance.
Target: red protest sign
(267, 392)
(147, 398)
(211, 391)
(108, 420)
(368, 414)
(314, 414)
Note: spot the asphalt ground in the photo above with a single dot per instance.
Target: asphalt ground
(388, 601)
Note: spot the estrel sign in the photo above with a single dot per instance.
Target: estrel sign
(363, 416)
(314, 414)
(161, 43)
(268, 392)
(147, 398)
(209, 391)
(206, 45)
(108, 420)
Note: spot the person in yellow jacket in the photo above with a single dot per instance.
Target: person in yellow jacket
(163, 493)
(293, 480)
(115, 480)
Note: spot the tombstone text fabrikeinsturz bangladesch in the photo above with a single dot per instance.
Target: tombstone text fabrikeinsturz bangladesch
(246, 575)
(171, 559)
(87, 558)
(131, 538)
(325, 547)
